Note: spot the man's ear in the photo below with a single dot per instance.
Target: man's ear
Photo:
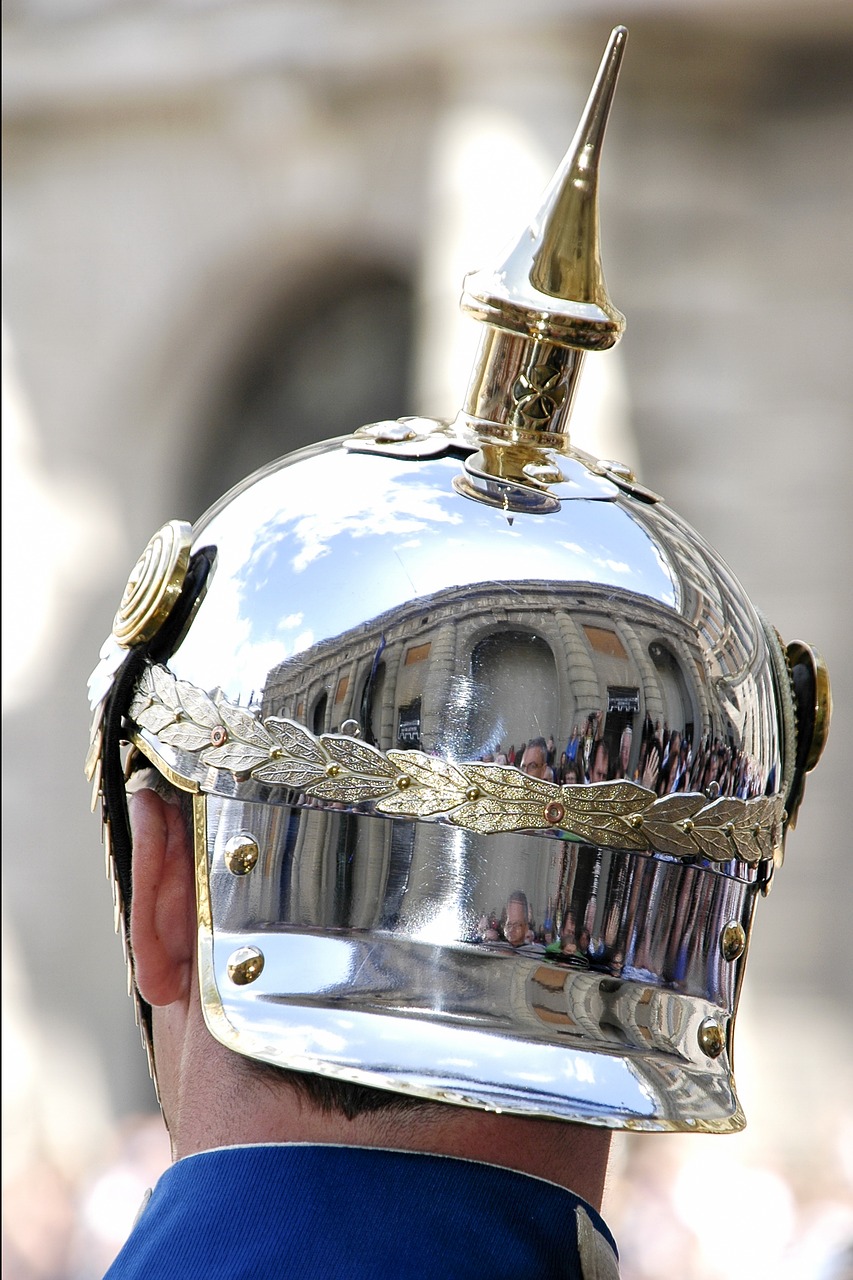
(162, 915)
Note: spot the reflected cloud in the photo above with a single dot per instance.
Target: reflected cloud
(292, 620)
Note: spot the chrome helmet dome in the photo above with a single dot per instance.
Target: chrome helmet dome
(491, 756)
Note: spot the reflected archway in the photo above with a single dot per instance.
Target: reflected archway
(515, 678)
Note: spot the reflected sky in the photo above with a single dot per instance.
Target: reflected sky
(333, 540)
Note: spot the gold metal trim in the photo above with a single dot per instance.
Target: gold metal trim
(215, 1018)
(170, 774)
(486, 798)
(798, 652)
(202, 886)
(154, 584)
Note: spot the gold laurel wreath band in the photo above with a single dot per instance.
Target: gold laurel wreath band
(486, 798)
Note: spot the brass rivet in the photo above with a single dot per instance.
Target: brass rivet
(241, 854)
(687, 825)
(219, 735)
(712, 1040)
(635, 820)
(473, 793)
(729, 828)
(732, 940)
(555, 812)
(245, 965)
(403, 782)
(276, 753)
(332, 770)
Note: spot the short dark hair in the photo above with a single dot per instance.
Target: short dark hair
(519, 896)
(338, 1097)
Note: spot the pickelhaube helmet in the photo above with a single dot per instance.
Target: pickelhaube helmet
(490, 755)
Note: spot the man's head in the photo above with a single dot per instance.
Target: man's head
(599, 769)
(517, 922)
(321, 911)
(535, 759)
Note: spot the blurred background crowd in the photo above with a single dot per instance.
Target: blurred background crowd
(232, 228)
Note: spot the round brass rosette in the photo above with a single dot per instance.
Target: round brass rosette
(797, 653)
(154, 585)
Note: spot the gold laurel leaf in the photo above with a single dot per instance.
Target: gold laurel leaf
(745, 842)
(609, 830)
(490, 817)
(615, 797)
(164, 688)
(243, 725)
(495, 778)
(430, 771)
(234, 755)
(288, 773)
(417, 803)
(668, 837)
(357, 756)
(675, 808)
(154, 717)
(722, 811)
(713, 843)
(186, 736)
(296, 740)
(352, 790)
(199, 707)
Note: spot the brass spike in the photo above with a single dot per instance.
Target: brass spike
(546, 304)
(567, 258)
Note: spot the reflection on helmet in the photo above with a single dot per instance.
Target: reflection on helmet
(491, 755)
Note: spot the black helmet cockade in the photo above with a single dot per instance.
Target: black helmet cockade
(490, 754)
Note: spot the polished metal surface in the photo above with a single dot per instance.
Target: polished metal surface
(548, 978)
(560, 973)
(359, 587)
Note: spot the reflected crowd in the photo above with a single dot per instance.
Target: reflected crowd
(598, 913)
(601, 921)
(666, 762)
